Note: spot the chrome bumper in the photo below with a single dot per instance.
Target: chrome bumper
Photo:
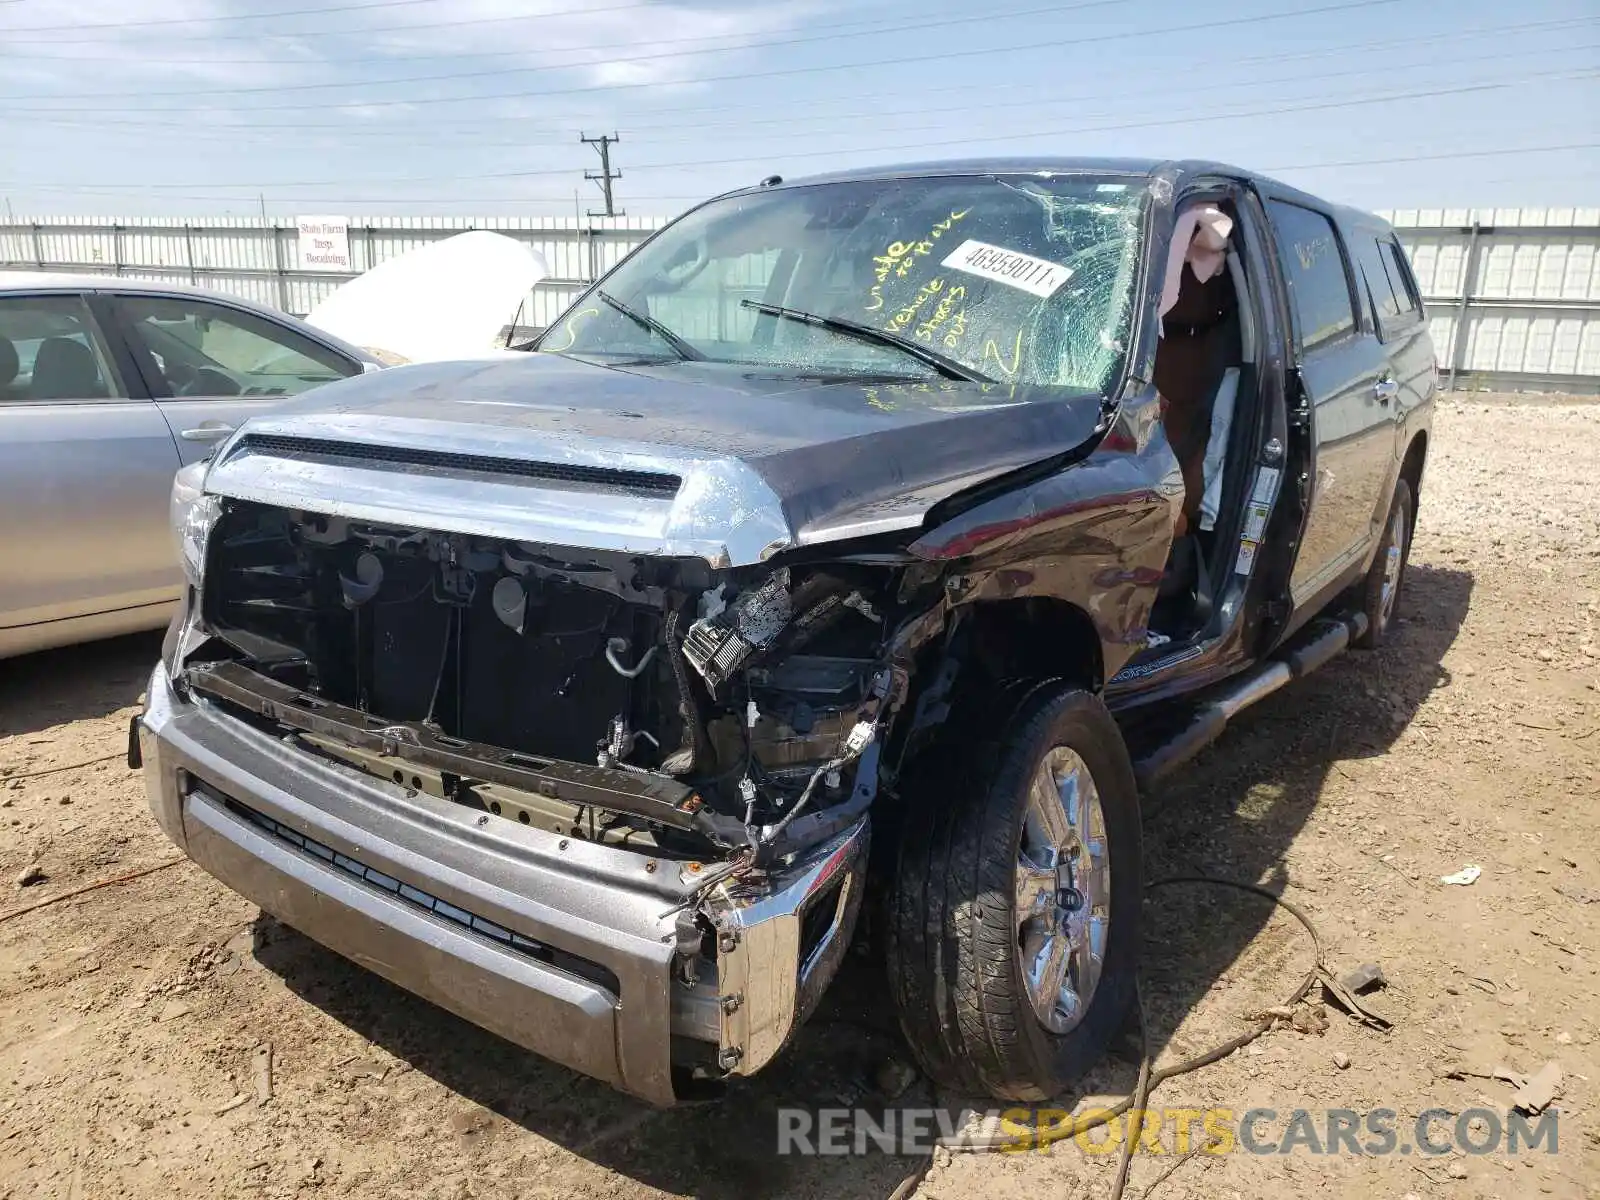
(560, 945)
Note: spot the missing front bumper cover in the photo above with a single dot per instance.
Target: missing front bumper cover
(641, 794)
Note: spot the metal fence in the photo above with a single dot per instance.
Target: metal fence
(1513, 294)
(256, 257)
(1521, 285)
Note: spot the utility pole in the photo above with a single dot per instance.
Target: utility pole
(605, 175)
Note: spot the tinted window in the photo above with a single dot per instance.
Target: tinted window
(202, 349)
(1405, 285)
(1028, 279)
(1313, 265)
(50, 350)
(1372, 274)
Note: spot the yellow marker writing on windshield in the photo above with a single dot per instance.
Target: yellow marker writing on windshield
(990, 348)
(941, 313)
(571, 328)
(899, 257)
(907, 314)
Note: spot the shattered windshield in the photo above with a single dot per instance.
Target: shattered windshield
(1024, 279)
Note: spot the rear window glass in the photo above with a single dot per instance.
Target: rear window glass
(1313, 266)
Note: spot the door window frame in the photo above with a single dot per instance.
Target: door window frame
(124, 384)
(1382, 327)
(1297, 332)
(1407, 282)
(155, 379)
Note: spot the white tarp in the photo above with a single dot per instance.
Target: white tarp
(448, 300)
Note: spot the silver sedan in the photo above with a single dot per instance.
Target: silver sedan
(107, 387)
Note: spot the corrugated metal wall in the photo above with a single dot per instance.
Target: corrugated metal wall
(1513, 294)
(255, 258)
(1523, 283)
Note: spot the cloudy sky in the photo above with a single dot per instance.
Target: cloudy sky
(476, 106)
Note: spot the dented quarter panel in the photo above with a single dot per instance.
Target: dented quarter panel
(1095, 534)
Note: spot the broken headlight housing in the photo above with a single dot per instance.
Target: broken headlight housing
(193, 515)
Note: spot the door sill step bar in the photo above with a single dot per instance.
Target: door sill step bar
(1326, 641)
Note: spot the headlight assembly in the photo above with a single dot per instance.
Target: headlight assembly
(193, 514)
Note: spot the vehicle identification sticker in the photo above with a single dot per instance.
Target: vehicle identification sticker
(1258, 510)
(1038, 276)
(1266, 484)
(1255, 522)
(1247, 558)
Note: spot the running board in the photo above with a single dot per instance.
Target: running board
(1326, 641)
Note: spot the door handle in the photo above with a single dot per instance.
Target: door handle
(211, 431)
(1385, 390)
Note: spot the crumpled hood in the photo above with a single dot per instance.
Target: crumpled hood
(443, 301)
(732, 462)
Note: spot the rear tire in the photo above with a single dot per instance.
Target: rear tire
(998, 896)
(1380, 591)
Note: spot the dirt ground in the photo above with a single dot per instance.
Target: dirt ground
(133, 1018)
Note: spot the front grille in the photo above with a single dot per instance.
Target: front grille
(648, 483)
(570, 963)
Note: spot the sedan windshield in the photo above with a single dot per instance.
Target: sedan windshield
(1025, 279)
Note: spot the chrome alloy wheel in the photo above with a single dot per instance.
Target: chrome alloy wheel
(1393, 560)
(1063, 890)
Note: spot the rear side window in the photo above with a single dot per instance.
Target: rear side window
(1373, 275)
(1408, 303)
(1314, 267)
(51, 350)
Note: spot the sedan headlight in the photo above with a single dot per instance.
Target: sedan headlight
(193, 514)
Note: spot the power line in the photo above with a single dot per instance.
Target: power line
(297, 33)
(226, 20)
(1036, 102)
(1209, 117)
(919, 23)
(209, 60)
(771, 73)
(477, 126)
(232, 17)
(1408, 158)
(1500, 152)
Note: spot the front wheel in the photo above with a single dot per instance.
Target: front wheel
(1013, 930)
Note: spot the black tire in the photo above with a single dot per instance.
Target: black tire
(953, 946)
(1397, 529)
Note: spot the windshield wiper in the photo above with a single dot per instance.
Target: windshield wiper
(946, 366)
(684, 349)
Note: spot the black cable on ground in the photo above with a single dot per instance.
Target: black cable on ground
(1149, 1078)
(88, 762)
(95, 886)
(1141, 1095)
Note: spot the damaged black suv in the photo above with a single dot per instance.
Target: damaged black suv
(864, 540)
